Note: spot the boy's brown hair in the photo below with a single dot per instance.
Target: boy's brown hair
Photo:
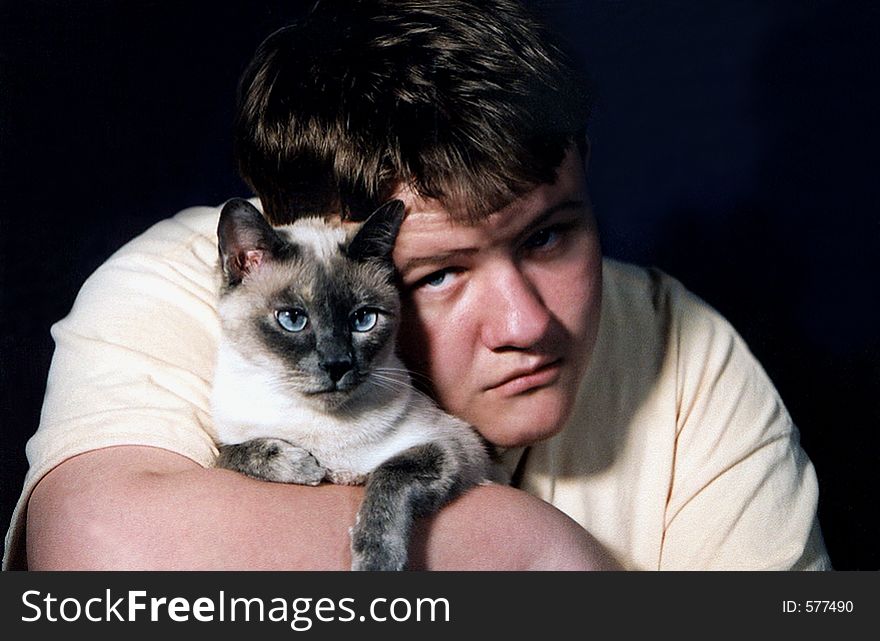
(469, 102)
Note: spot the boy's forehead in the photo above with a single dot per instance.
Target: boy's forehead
(429, 227)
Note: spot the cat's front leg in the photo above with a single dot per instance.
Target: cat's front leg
(272, 459)
(414, 483)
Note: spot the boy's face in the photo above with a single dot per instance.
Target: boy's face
(502, 316)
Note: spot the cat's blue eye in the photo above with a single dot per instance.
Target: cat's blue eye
(363, 320)
(292, 320)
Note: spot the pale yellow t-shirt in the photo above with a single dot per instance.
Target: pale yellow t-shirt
(679, 455)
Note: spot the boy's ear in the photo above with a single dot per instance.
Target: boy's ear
(375, 238)
(245, 239)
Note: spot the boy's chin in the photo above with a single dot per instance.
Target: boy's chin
(523, 421)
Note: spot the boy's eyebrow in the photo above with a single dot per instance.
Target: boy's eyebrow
(421, 261)
(540, 220)
(549, 213)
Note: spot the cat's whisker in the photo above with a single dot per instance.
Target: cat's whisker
(393, 377)
(422, 378)
(392, 371)
(384, 386)
(389, 383)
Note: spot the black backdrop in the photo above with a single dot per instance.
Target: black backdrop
(734, 145)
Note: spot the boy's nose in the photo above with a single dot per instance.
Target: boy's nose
(515, 314)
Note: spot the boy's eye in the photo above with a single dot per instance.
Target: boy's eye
(364, 319)
(441, 279)
(436, 279)
(543, 238)
(292, 320)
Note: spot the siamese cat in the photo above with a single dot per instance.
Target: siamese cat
(308, 386)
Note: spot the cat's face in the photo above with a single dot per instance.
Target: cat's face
(305, 300)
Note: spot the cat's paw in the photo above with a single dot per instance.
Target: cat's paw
(286, 463)
(373, 552)
(272, 459)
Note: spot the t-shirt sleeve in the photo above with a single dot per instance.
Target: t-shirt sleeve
(744, 493)
(134, 359)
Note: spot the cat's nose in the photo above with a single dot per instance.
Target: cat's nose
(338, 367)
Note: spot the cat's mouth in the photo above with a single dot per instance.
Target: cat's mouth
(342, 387)
(334, 396)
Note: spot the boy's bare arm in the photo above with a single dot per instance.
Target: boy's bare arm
(135, 507)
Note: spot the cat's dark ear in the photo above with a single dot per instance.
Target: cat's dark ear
(245, 239)
(375, 238)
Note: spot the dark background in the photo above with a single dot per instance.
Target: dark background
(735, 145)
